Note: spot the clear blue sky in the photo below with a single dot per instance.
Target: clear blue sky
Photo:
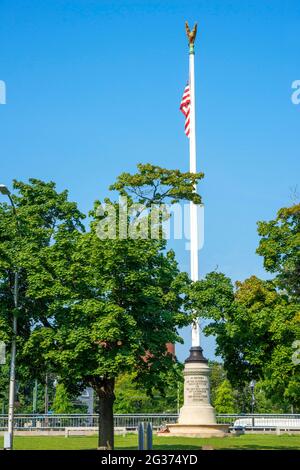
(93, 87)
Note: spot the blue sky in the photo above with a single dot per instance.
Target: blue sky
(94, 86)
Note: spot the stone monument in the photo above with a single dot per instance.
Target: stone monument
(197, 416)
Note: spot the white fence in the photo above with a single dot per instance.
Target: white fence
(261, 421)
(58, 422)
(286, 424)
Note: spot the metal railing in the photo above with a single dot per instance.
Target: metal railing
(58, 422)
(261, 421)
(61, 421)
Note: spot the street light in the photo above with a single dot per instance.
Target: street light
(252, 388)
(8, 436)
(4, 189)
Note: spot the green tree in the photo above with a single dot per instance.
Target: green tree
(224, 400)
(111, 305)
(154, 185)
(217, 376)
(4, 384)
(279, 246)
(30, 247)
(264, 404)
(255, 327)
(133, 398)
(127, 308)
(130, 398)
(62, 402)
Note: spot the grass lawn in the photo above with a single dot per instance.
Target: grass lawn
(129, 442)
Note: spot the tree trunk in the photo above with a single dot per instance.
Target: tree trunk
(106, 415)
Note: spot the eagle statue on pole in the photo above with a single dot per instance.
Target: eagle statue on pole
(191, 34)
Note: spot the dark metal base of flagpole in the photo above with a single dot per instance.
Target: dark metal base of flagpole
(196, 355)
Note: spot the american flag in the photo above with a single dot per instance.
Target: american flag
(185, 108)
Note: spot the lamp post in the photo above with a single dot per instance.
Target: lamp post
(8, 437)
(252, 387)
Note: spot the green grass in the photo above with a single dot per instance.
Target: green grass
(129, 442)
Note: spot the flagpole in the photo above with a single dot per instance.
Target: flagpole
(193, 207)
(197, 416)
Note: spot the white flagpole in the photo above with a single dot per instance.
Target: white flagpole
(193, 207)
(197, 416)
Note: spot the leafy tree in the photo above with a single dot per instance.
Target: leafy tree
(111, 306)
(133, 398)
(4, 384)
(265, 404)
(62, 401)
(30, 247)
(44, 216)
(279, 246)
(224, 399)
(217, 376)
(91, 310)
(127, 307)
(255, 327)
(241, 395)
(154, 185)
(24, 391)
(130, 398)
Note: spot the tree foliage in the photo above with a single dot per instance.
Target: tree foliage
(133, 398)
(224, 398)
(154, 185)
(280, 247)
(217, 376)
(90, 310)
(255, 327)
(32, 246)
(62, 402)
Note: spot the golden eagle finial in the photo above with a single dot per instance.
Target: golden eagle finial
(191, 34)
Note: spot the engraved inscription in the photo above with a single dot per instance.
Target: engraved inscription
(196, 389)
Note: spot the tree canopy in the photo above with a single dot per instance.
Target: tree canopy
(154, 185)
(90, 309)
(255, 328)
(280, 247)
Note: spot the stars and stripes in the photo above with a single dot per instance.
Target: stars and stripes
(185, 108)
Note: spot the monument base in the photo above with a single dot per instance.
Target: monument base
(197, 417)
(195, 430)
(197, 414)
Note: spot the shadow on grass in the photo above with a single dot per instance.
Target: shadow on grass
(183, 447)
(244, 447)
(167, 449)
(261, 447)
